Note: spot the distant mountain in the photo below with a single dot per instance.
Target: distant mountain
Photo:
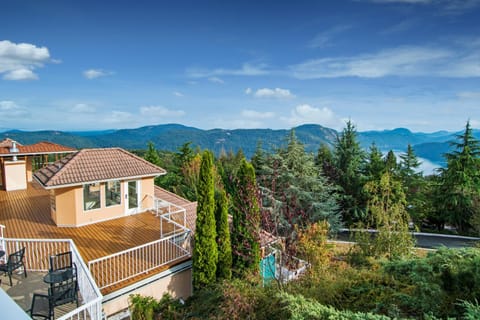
(431, 146)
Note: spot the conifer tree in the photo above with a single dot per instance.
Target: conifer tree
(349, 161)
(414, 185)
(152, 155)
(460, 181)
(205, 253)
(246, 221)
(224, 264)
(375, 166)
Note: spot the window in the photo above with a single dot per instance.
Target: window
(112, 193)
(91, 196)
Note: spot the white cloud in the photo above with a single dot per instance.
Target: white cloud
(305, 113)
(402, 1)
(247, 69)
(323, 39)
(402, 61)
(82, 108)
(248, 91)
(18, 61)
(216, 80)
(96, 73)
(271, 93)
(177, 94)
(449, 7)
(252, 114)
(20, 74)
(121, 118)
(9, 109)
(160, 111)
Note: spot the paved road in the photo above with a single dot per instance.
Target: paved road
(429, 240)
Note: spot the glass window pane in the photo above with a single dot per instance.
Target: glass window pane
(91, 196)
(132, 195)
(112, 193)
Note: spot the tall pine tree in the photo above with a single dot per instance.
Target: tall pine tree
(349, 160)
(205, 253)
(460, 181)
(246, 221)
(224, 264)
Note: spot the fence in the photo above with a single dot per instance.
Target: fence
(37, 253)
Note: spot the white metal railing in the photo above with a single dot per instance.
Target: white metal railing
(2, 244)
(124, 265)
(37, 253)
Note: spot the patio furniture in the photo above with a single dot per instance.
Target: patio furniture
(61, 261)
(41, 307)
(14, 262)
(64, 292)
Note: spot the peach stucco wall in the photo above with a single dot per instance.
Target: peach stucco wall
(29, 168)
(178, 285)
(69, 205)
(15, 175)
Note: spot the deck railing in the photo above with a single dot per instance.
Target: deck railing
(130, 263)
(37, 253)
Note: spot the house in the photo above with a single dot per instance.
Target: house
(17, 162)
(127, 235)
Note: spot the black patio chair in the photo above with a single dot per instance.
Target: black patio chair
(64, 292)
(14, 262)
(41, 307)
(61, 261)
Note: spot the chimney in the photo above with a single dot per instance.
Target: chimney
(14, 149)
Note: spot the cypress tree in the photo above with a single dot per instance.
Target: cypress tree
(246, 221)
(152, 155)
(205, 253)
(224, 264)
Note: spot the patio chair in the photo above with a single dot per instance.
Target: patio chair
(41, 307)
(14, 262)
(61, 261)
(64, 292)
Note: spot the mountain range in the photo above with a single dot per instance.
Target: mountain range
(430, 146)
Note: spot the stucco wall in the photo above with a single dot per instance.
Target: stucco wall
(178, 285)
(28, 166)
(70, 209)
(15, 175)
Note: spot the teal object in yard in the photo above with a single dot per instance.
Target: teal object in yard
(268, 268)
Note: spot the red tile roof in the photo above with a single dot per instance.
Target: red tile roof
(94, 165)
(43, 147)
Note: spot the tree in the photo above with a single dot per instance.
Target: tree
(414, 185)
(205, 252)
(325, 162)
(391, 162)
(375, 166)
(460, 181)
(152, 155)
(246, 221)
(349, 161)
(386, 209)
(224, 264)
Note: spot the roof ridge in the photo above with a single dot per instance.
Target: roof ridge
(70, 157)
(141, 159)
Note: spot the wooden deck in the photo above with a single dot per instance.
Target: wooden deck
(26, 214)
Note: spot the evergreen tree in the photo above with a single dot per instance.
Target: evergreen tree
(324, 160)
(224, 264)
(375, 166)
(246, 221)
(414, 185)
(460, 181)
(387, 213)
(391, 162)
(349, 161)
(205, 254)
(152, 155)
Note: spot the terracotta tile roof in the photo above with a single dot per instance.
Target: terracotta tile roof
(43, 147)
(92, 165)
(266, 238)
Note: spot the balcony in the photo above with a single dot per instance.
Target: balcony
(114, 254)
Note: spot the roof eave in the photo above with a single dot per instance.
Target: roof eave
(98, 181)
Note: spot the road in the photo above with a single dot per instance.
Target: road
(430, 240)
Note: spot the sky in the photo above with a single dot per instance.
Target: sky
(95, 65)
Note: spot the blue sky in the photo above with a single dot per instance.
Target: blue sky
(88, 65)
